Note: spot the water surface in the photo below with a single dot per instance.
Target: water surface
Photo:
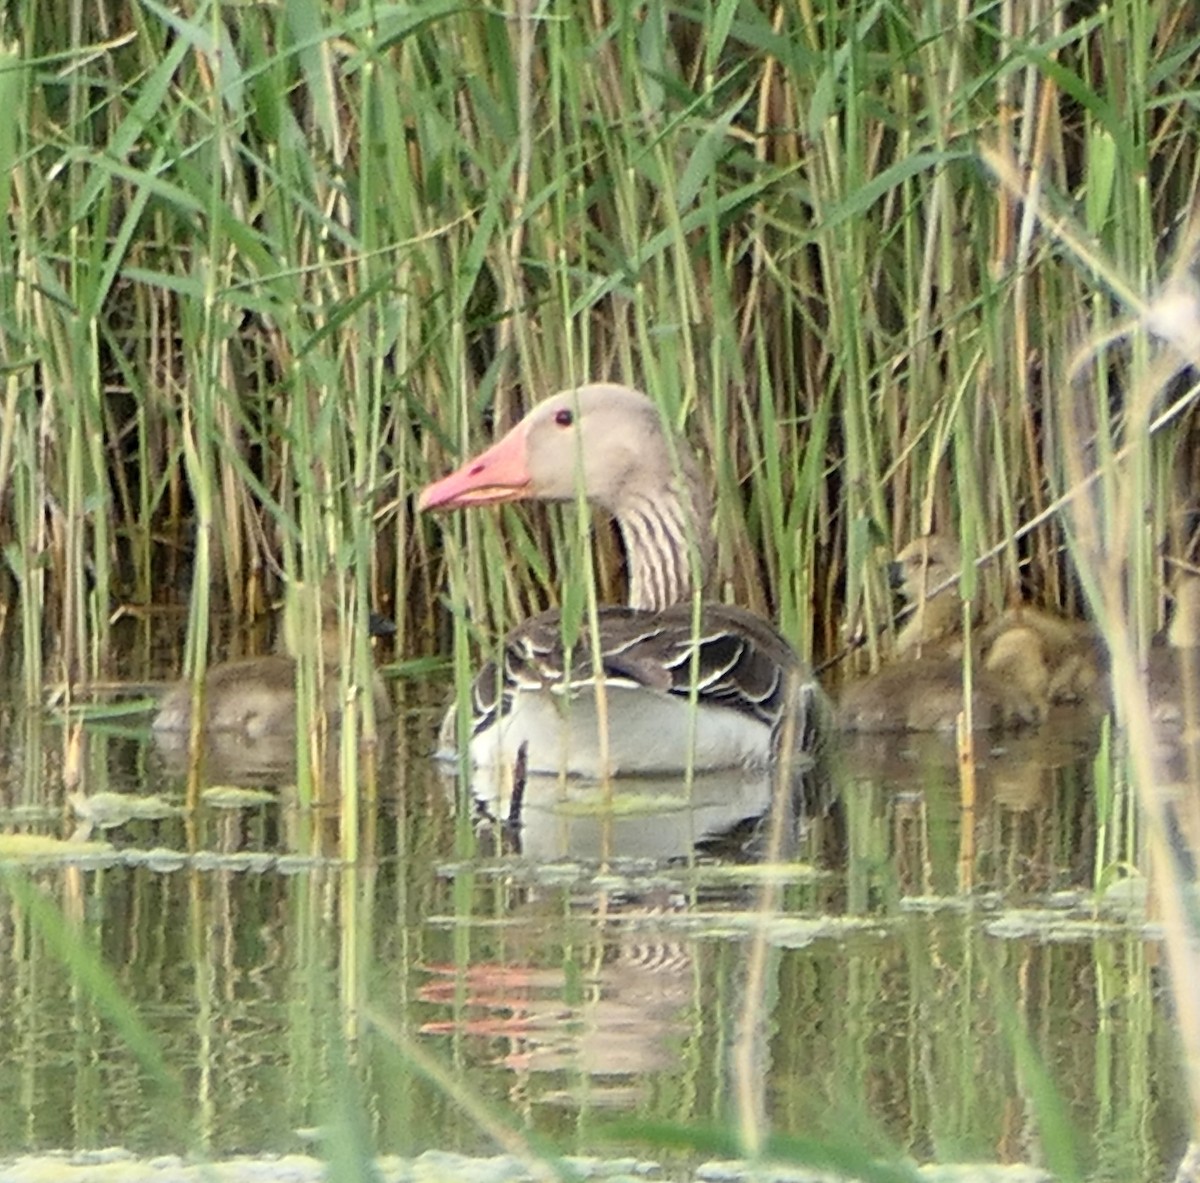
(925, 961)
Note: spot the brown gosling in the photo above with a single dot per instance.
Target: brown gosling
(1072, 650)
(934, 625)
(926, 693)
(1075, 657)
(256, 696)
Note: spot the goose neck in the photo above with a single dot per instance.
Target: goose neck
(667, 548)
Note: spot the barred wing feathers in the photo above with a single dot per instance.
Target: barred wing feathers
(735, 659)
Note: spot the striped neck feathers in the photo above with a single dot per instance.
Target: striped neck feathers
(668, 541)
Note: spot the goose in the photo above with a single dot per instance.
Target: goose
(1076, 660)
(255, 697)
(542, 698)
(1009, 690)
(920, 573)
(1173, 667)
(1071, 649)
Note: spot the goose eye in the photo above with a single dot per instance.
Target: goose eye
(565, 417)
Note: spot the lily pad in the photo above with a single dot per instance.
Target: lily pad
(106, 810)
(599, 803)
(1025, 924)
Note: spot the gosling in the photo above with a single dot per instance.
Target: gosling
(256, 696)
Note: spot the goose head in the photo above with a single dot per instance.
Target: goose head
(603, 440)
(935, 617)
(305, 605)
(607, 443)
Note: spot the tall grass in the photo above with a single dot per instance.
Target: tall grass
(269, 271)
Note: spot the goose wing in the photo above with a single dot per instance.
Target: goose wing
(731, 657)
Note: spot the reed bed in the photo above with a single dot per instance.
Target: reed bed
(269, 269)
(268, 272)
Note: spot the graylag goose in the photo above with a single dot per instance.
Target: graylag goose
(609, 443)
(1173, 668)
(921, 573)
(1008, 690)
(255, 697)
(1071, 650)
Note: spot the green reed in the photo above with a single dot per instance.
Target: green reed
(782, 231)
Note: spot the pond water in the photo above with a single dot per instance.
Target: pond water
(897, 973)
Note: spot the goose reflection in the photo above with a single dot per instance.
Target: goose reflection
(548, 817)
(589, 1025)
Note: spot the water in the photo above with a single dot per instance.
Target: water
(930, 988)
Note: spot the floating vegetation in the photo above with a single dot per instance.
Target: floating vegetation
(37, 850)
(105, 811)
(237, 797)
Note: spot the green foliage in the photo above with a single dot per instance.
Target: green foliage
(268, 268)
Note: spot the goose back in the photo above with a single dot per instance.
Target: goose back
(736, 673)
(1076, 661)
(1008, 691)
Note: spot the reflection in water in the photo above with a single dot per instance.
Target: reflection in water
(227, 758)
(1028, 825)
(615, 1010)
(661, 818)
(563, 983)
(589, 1031)
(274, 761)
